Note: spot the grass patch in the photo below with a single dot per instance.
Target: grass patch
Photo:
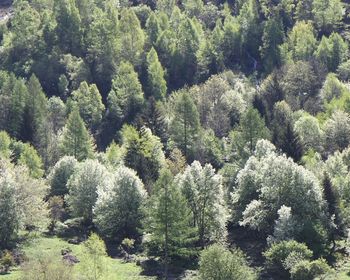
(116, 268)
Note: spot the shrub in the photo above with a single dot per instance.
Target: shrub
(281, 256)
(218, 263)
(6, 261)
(306, 270)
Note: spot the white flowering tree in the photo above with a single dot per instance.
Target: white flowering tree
(118, 210)
(82, 187)
(203, 190)
(268, 184)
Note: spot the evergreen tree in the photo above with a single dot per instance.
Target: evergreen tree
(76, 140)
(153, 28)
(126, 97)
(283, 135)
(36, 109)
(30, 158)
(244, 138)
(184, 61)
(169, 222)
(273, 36)
(185, 123)
(250, 31)
(15, 118)
(143, 153)
(132, 37)
(155, 76)
(89, 102)
(154, 118)
(327, 14)
(69, 26)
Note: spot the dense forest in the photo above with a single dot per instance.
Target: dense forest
(193, 139)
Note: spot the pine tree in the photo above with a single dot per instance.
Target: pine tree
(153, 28)
(185, 123)
(68, 26)
(126, 97)
(169, 222)
(18, 99)
(89, 102)
(30, 158)
(155, 76)
(36, 109)
(273, 36)
(76, 140)
(154, 118)
(132, 37)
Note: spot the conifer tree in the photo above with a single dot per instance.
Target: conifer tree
(169, 221)
(132, 37)
(36, 109)
(185, 123)
(155, 76)
(89, 102)
(18, 99)
(76, 140)
(126, 97)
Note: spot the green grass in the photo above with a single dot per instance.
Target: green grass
(116, 268)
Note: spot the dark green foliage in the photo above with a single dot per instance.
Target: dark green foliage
(169, 221)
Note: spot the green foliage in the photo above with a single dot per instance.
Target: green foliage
(82, 187)
(89, 103)
(272, 37)
(142, 152)
(267, 182)
(45, 267)
(36, 109)
(301, 42)
(76, 140)
(306, 270)
(118, 210)
(243, 139)
(185, 123)
(60, 174)
(69, 26)
(5, 141)
(169, 221)
(156, 82)
(6, 261)
(280, 255)
(30, 158)
(327, 14)
(218, 263)
(203, 190)
(22, 202)
(132, 37)
(94, 250)
(126, 97)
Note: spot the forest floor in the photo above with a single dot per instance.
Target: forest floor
(116, 269)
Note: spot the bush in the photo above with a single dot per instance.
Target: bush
(6, 261)
(306, 270)
(43, 267)
(283, 255)
(219, 263)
